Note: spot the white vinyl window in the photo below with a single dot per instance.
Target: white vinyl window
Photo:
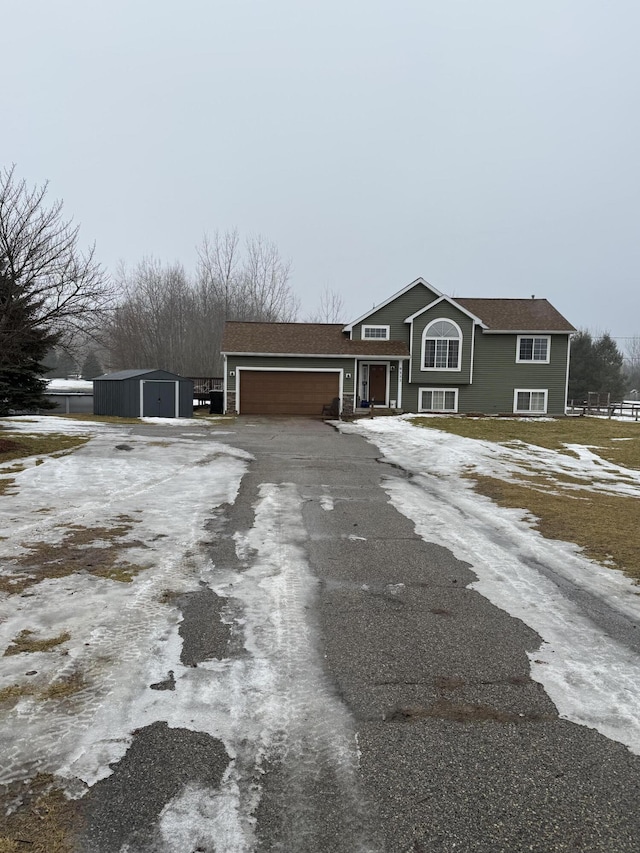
(375, 333)
(527, 401)
(533, 349)
(441, 346)
(438, 400)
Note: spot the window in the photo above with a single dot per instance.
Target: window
(441, 346)
(533, 349)
(379, 333)
(438, 400)
(534, 402)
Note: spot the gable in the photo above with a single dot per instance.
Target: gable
(411, 298)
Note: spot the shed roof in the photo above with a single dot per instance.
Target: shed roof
(517, 315)
(303, 339)
(131, 374)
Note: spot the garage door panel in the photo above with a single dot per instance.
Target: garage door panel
(274, 392)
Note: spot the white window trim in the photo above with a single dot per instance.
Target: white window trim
(518, 411)
(457, 369)
(385, 329)
(533, 360)
(422, 408)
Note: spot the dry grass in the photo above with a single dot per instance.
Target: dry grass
(565, 506)
(5, 485)
(603, 525)
(96, 550)
(555, 434)
(101, 419)
(45, 821)
(26, 641)
(61, 688)
(14, 446)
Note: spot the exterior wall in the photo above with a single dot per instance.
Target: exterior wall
(250, 362)
(395, 313)
(441, 311)
(496, 375)
(117, 397)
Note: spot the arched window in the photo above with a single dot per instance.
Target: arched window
(441, 346)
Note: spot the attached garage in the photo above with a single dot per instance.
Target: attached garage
(286, 392)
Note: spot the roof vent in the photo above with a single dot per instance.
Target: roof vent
(533, 296)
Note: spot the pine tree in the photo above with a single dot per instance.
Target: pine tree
(23, 346)
(91, 366)
(596, 366)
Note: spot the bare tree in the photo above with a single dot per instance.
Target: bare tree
(165, 319)
(40, 255)
(632, 364)
(330, 308)
(265, 287)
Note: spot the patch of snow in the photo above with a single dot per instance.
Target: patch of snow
(592, 679)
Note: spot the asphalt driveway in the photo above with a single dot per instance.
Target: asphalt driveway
(370, 700)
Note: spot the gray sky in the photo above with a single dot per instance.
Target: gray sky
(490, 146)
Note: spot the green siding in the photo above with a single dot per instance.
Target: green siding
(395, 313)
(449, 378)
(291, 363)
(496, 375)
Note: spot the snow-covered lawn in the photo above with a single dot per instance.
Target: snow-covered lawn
(157, 494)
(593, 680)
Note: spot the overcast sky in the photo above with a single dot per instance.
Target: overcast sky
(490, 146)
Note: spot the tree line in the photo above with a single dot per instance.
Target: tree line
(61, 313)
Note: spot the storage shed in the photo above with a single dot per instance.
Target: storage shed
(143, 394)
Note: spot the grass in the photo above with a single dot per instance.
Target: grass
(102, 419)
(45, 821)
(18, 446)
(564, 507)
(27, 642)
(61, 688)
(96, 550)
(555, 434)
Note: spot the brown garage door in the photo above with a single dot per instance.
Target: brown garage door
(275, 392)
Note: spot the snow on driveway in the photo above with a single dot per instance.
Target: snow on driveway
(272, 701)
(122, 636)
(592, 679)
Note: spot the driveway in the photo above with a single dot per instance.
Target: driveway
(364, 698)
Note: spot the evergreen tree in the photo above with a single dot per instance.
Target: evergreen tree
(595, 367)
(91, 366)
(609, 361)
(23, 346)
(581, 367)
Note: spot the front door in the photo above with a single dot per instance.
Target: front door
(378, 384)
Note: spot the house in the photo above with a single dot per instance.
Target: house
(419, 351)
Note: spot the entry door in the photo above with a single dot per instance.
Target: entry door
(378, 383)
(159, 400)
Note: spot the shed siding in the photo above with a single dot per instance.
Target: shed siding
(121, 397)
(395, 313)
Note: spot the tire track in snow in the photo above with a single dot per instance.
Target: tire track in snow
(308, 749)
